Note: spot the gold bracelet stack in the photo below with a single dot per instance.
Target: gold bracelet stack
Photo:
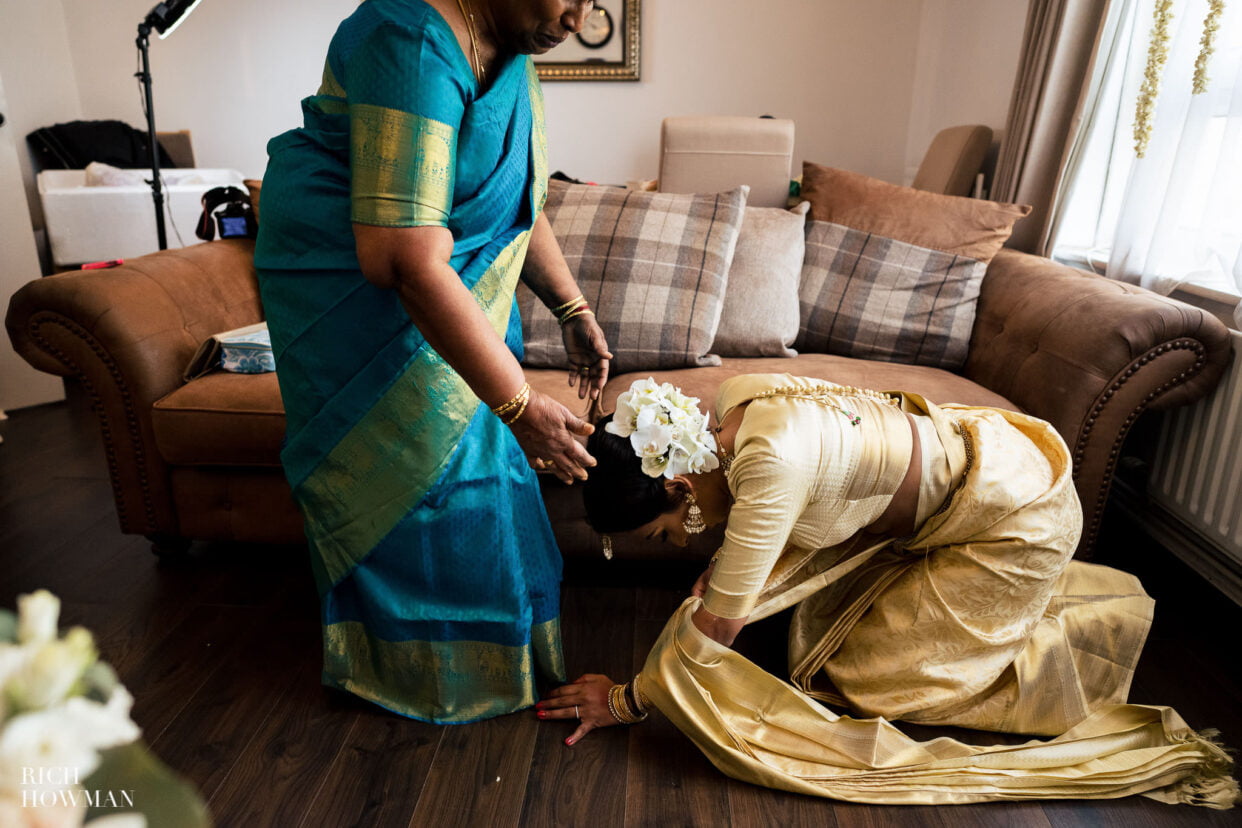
(574, 307)
(624, 704)
(510, 412)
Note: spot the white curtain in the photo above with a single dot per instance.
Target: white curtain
(1179, 215)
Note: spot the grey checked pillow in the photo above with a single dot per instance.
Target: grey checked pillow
(653, 267)
(871, 297)
(892, 273)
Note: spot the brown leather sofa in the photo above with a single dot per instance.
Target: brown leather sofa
(200, 460)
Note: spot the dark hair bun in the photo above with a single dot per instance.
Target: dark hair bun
(617, 495)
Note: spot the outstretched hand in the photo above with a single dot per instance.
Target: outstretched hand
(584, 699)
(547, 431)
(588, 353)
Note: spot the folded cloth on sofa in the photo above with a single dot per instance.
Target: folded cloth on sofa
(245, 350)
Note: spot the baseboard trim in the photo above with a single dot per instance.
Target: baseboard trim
(1183, 540)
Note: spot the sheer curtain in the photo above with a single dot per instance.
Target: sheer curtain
(1175, 215)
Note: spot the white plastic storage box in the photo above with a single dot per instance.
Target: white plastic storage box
(92, 224)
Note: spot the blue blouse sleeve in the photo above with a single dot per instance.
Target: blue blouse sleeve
(407, 92)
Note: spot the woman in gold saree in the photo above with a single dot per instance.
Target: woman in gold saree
(927, 552)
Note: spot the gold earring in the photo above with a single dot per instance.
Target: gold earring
(693, 523)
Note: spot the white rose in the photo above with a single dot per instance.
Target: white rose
(102, 725)
(53, 672)
(44, 739)
(37, 614)
(15, 814)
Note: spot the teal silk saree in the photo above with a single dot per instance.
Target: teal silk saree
(438, 573)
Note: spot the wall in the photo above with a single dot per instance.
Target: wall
(846, 71)
(41, 91)
(967, 58)
(868, 83)
(841, 69)
(233, 73)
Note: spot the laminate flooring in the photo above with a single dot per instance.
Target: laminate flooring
(221, 653)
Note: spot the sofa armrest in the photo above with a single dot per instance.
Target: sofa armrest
(127, 334)
(1088, 355)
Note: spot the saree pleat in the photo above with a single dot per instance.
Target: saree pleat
(436, 565)
(979, 620)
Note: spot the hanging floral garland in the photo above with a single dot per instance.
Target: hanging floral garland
(1207, 44)
(1158, 55)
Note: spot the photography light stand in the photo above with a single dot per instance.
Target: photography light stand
(144, 77)
(163, 19)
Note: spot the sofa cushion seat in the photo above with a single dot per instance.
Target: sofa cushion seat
(221, 419)
(936, 384)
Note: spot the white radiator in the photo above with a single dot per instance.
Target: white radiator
(1197, 471)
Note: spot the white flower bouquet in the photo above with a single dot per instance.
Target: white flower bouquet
(666, 429)
(69, 752)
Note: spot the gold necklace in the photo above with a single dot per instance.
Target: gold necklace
(480, 74)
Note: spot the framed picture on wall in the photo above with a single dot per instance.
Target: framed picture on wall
(607, 48)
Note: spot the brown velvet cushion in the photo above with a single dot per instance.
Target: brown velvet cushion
(968, 227)
(221, 419)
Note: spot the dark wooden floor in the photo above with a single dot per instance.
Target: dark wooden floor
(221, 655)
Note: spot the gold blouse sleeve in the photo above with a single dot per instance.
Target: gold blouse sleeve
(769, 496)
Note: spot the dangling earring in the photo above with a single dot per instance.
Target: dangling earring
(693, 523)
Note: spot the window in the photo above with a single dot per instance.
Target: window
(1175, 215)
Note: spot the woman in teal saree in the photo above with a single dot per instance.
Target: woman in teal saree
(395, 225)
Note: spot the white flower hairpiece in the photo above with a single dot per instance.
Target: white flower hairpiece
(666, 429)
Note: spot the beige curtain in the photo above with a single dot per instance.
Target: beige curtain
(1061, 40)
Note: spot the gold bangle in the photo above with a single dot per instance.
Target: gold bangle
(519, 413)
(565, 313)
(559, 309)
(507, 407)
(619, 706)
(569, 316)
(518, 402)
(612, 706)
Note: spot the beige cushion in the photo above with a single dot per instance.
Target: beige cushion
(709, 153)
(653, 267)
(953, 160)
(760, 316)
(892, 273)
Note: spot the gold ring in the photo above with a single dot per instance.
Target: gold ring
(583, 369)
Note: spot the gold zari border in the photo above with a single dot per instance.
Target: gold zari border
(401, 167)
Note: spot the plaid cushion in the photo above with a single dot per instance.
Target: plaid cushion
(867, 296)
(653, 267)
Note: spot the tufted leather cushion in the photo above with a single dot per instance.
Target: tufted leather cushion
(221, 419)
(935, 384)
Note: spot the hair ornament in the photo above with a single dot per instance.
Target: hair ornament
(665, 428)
